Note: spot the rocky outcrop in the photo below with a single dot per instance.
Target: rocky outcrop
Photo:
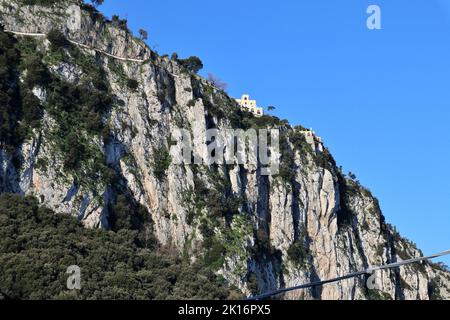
(271, 231)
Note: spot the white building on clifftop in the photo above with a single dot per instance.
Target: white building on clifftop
(250, 105)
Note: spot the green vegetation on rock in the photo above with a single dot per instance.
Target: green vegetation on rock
(20, 110)
(161, 162)
(37, 246)
(298, 252)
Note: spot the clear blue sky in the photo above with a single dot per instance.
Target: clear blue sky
(379, 99)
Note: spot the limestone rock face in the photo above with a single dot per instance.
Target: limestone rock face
(286, 230)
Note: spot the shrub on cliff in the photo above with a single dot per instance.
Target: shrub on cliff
(193, 64)
(132, 84)
(161, 162)
(57, 39)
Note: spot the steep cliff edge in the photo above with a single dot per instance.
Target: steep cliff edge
(94, 131)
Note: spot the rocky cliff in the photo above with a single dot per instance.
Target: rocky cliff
(102, 134)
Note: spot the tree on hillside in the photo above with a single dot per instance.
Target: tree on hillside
(121, 23)
(143, 34)
(352, 176)
(193, 64)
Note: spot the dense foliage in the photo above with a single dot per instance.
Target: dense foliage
(37, 246)
(10, 106)
(20, 110)
(193, 64)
